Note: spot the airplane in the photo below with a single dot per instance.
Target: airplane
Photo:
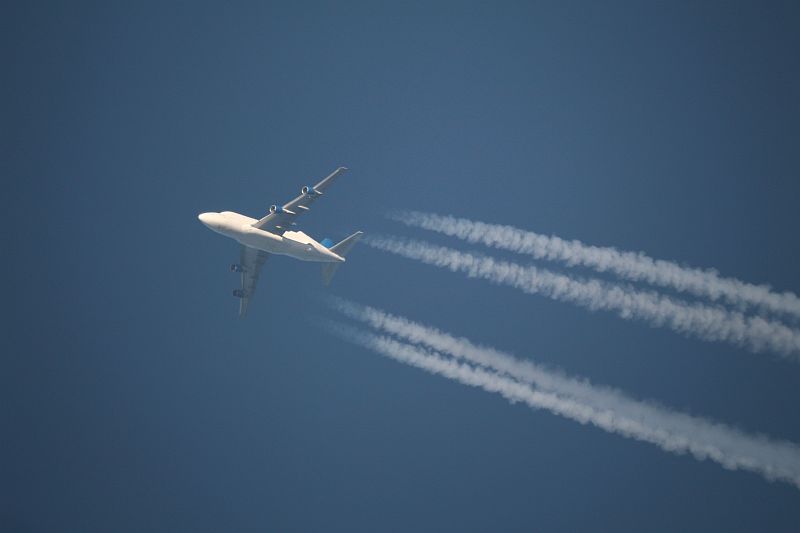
(270, 235)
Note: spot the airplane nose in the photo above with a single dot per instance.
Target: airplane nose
(205, 218)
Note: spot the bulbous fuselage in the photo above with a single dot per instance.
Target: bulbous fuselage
(295, 244)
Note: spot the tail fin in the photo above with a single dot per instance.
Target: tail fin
(341, 248)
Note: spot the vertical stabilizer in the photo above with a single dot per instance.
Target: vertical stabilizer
(341, 248)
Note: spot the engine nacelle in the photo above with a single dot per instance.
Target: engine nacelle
(237, 268)
(275, 209)
(308, 190)
(239, 293)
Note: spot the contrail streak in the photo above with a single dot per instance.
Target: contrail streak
(701, 321)
(604, 408)
(462, 348)
(634, 266)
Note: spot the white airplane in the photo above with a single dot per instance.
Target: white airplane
(270, 235)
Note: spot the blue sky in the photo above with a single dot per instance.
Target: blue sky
(133, 396)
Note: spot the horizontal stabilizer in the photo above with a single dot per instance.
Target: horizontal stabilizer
(341, 248)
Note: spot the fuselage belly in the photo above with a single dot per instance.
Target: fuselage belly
(294, 244)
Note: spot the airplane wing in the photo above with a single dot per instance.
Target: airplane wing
(251, 261)
(281, 219)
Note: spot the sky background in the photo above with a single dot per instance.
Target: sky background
(133, 397)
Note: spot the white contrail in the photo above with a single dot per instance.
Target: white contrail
(462, 348)
(672, 432)
(634, 266)
(705, 322)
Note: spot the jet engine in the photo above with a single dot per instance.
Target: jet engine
(275, 209)
(239, 293)
(308, 190)
(237, 268)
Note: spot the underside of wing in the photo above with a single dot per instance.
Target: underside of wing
(250, 263)
(281, 218)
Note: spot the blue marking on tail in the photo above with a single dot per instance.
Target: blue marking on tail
(326, 242)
